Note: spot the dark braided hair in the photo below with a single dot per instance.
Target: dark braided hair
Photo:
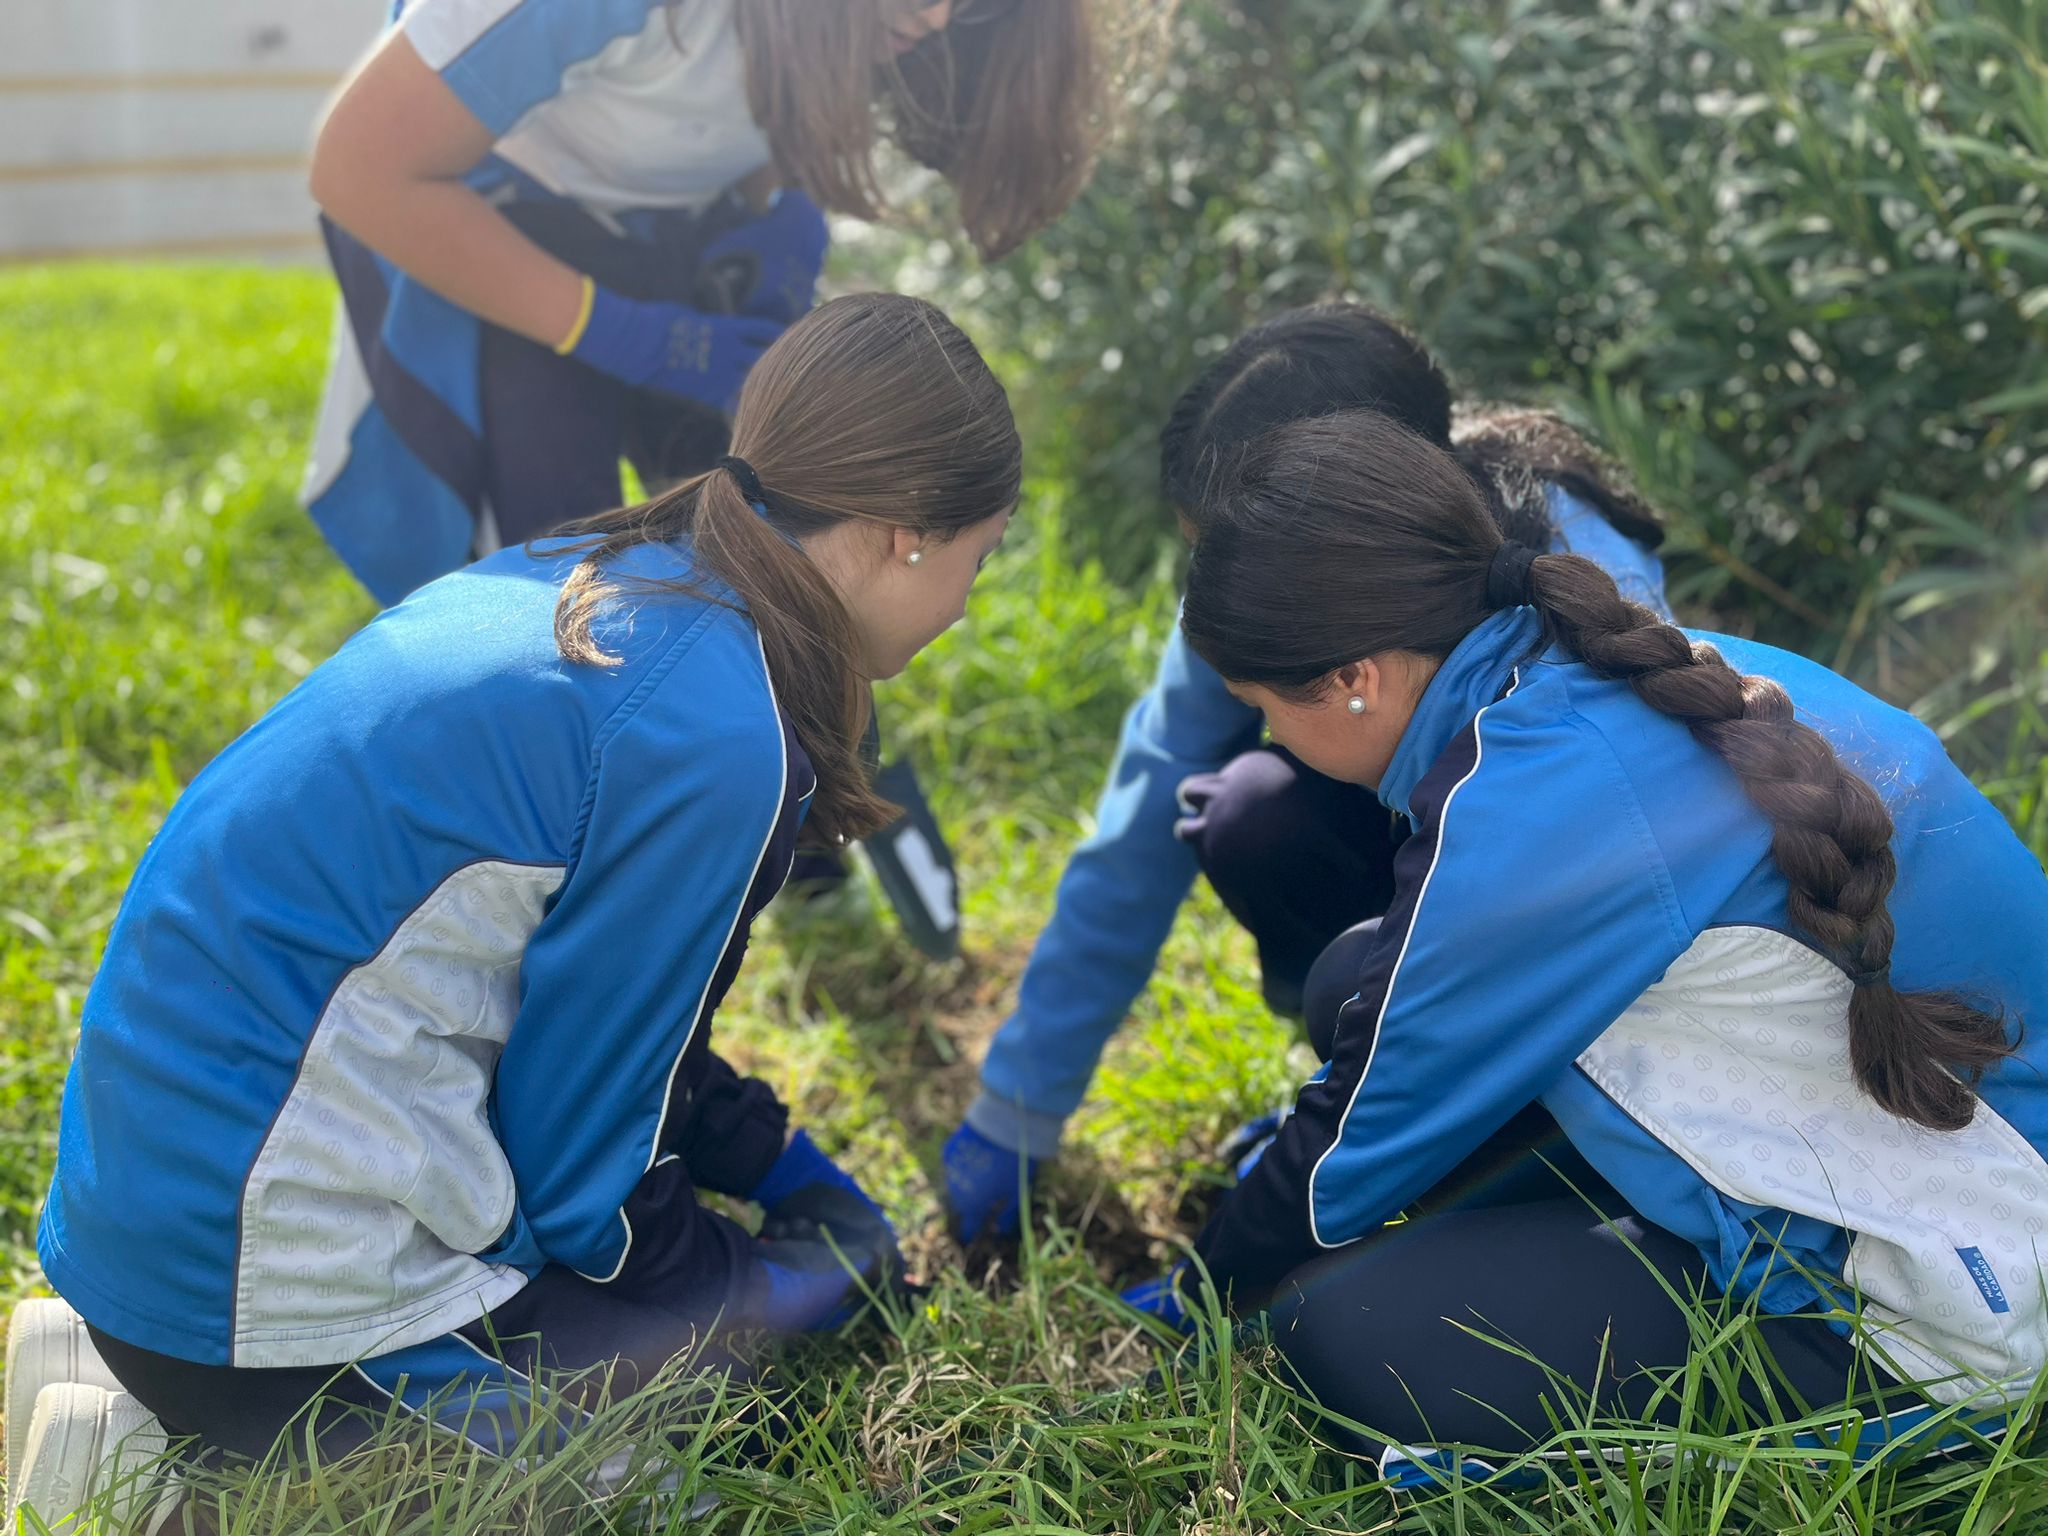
(1327, 358)
(1348, 536)
(1513, 451)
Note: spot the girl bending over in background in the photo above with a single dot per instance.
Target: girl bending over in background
(558, 234)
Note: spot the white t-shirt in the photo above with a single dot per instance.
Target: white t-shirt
(615, 103)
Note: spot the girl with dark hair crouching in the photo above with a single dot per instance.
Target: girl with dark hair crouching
(396, 1085)
(1298, 858)
(1739, 929)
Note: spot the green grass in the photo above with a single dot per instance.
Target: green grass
(162, 590)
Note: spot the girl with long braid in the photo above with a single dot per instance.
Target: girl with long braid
(1741, 930)
(1296, 857)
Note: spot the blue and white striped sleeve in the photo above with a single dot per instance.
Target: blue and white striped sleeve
(503, 58)
(1531, 910)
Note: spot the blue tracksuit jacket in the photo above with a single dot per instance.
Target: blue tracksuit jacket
(1589, 916)
(1122, 887)
(411, 994)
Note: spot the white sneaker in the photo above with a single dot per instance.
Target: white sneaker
(86, 1443)
(46, 1344)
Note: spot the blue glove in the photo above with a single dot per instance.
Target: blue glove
(805, 1285)
(777, 256)
(982, 1184)
(676, 350)
(801, 1166)
(1243, 1147)
(805, 1288)
(1162, 1299)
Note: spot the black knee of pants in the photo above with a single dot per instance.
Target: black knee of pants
(594, 1343)
(1423, 1334)
(554, 428)
(1333, 982)
(1295, 856)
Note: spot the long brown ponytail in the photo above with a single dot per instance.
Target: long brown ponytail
(874, 408)
(1348, 537)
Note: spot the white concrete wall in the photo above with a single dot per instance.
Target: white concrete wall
(166, 127)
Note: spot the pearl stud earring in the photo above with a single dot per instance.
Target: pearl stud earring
(1356, 706)
(915, 557)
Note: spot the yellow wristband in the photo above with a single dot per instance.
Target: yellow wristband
(568, 343)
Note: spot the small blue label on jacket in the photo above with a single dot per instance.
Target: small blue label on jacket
(1987, 1282)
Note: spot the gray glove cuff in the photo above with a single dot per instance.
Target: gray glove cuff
(1015, 1127)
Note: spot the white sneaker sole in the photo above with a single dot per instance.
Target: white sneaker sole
(88, 1444)
(46, 1344)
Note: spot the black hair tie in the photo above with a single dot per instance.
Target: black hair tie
(1871, 978)
(743, 475)
(1507, 578)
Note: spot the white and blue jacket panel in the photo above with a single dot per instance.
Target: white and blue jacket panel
(411, 994)
(1589, 916)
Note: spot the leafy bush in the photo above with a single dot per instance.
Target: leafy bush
(1789, 262)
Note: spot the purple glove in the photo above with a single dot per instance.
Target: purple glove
(804, 1287)
(1243, 1148)
(676, 350)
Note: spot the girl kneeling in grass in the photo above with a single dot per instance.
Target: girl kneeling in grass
(1744, 932)
(398, 1071)
(1297, 857)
